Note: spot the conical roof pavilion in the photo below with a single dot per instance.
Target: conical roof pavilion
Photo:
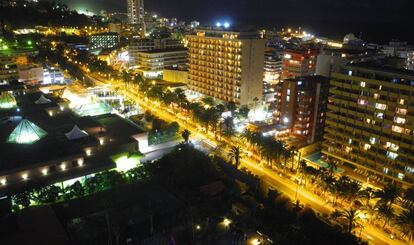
(7, 101)
(26, 132)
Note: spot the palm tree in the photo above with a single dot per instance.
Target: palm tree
(332, 167)
(352, 218)
(405, 223)
(371, 211)
(235, 154)
(367, 194)
(389, 194)
(386, 212)
(186, 135)
(208, 101)
(408, 197)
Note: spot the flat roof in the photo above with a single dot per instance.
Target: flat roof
(54, 145)
(165, 50)
(382, 66)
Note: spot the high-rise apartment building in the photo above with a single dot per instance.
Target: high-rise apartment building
(136, 14)
(370, 120)
(227, 65)
(299, 62)
(301, 106)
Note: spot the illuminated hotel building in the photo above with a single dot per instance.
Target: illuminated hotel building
(297, 63)
(370, 121)
(227, 65)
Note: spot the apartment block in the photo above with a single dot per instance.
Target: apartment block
(301, 106)
(227, 65)
(370, 120)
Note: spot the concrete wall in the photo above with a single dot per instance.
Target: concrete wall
(252, 71)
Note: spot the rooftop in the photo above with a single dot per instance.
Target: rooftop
(383, 66)
(165, 50)
(52, 143)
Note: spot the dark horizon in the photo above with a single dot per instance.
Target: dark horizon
(377, 20)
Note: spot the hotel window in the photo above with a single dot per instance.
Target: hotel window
(401, 176)
(349, 73)
(348, 149)
(401, 102)
(376, 96)
(363, 84)
(392, 146)
(409, 170)
(380, 115)
(386, 170)
(399, 120)
(401, 111)
(380, 106)
(367, 147)
(392, 155)
(350, 141)
(397, 129)
(362, 102)
(373, 140)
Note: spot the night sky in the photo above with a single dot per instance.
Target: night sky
(376, 19)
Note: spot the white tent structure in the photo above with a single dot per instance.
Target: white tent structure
(76, 133)
(42, 100)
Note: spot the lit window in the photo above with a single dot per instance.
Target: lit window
(348, 149)
(376, 95)
(25, 176)
(368, 120)
(380, 106)
(401, 101)
(386, 170)
(350, 141)
(392, 155)
(401, 111)
(401, 176)
(44, 171)
(392, 146)
(373, 140)
(299, 83)
(287, 98)
(397, 129)
(380, 115)
(362, 101)
(3, 181)
(349, 73)
(399, 120)
(409, 170)
(367, 147)
(363, 84)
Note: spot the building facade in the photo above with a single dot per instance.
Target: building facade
(301, 106)
(226, 65)
(401, 50)
(300, 62)
(370, 121)
(136, 14)
(138, 45)
(152, 63)
(104, 40)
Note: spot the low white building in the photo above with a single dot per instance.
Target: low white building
(30, 74)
